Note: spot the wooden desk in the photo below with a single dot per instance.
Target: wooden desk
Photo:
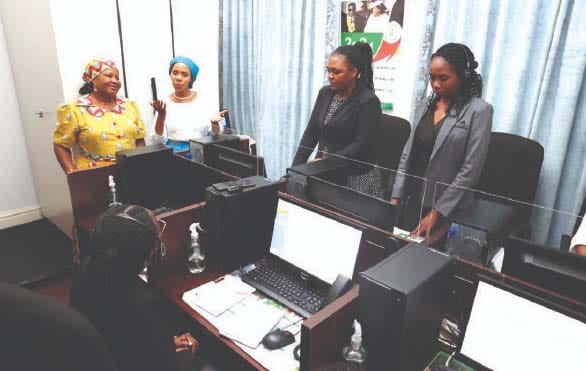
(172, 288)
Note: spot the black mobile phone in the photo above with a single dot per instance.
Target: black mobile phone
(154, 88)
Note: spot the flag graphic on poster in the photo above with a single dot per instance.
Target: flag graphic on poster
(379, 24)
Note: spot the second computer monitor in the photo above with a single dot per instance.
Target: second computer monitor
(547, 267)
(235, 162)
(363, 207)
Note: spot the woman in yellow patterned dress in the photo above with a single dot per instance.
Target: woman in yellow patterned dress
(91, 129)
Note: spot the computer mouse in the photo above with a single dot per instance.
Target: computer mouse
(278, 339)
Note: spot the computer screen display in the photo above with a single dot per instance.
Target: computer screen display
(509, 332)
(319, 245)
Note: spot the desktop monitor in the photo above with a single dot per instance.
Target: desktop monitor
(318, 245)
(511, 329)
(144, 175)
(546, 267)
(363, 207)
(235, 162)
(153, 177)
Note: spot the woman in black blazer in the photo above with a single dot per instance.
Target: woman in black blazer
(346, 115)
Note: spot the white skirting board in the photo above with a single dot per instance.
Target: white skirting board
(20, 216)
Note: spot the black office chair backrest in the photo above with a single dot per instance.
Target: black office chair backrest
(512, 170)
(582, 214)
(39, 333)
(391, 138)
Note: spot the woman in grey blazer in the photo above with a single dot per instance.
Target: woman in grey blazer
(449, 143)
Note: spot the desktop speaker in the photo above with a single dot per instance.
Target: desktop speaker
(401, 301)
(200, 146)
(239, 218)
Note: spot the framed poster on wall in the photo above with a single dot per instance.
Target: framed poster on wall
(380, 24)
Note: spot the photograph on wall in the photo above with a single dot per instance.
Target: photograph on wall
(379, 24)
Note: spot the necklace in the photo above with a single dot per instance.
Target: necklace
(99, 103)
(185, 98)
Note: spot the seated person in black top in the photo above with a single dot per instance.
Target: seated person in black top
(449, 144)
(40, 333)
(118, 303)
(346, 116)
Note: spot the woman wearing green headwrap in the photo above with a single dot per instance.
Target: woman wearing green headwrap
(184, 114)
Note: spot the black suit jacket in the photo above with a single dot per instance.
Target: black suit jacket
(352, 130)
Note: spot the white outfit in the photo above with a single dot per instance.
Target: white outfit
(185, 121)
(580, 236)
(377, 24)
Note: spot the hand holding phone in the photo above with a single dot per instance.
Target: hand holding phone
(154, 89)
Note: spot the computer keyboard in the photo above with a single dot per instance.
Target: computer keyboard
(284, 286)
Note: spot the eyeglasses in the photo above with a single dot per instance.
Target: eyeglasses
(162, 249)
(162, 225)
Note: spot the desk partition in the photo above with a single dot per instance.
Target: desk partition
(359, 190)
(527, 241)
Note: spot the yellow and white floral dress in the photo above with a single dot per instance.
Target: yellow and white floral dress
(95, 135)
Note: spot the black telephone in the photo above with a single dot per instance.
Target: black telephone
(226, 119)
(154, 89)
(340, 286)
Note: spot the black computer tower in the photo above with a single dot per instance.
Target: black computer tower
(199, 147)
(331, 169)
(478, 230)
(401, 301)
(240, 220)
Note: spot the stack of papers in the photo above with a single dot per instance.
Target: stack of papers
(246, 318)
(249, 321)
(216, 297)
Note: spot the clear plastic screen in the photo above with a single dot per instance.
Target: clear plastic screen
(477, 224)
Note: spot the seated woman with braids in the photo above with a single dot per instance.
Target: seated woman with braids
(346, 115)
(449, 143)
(125, 312)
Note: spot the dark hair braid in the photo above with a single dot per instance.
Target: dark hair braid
(359, 56)
(462, 59)
(86, 88)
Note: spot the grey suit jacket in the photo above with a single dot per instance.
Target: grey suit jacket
(457, 157)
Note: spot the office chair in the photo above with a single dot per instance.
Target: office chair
(566, 239)
(512, 169)
(582, 213)
(393, 134)
(39, 333)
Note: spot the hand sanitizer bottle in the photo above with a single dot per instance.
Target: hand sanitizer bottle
(112, 186)
(355, 352)
(195, 256)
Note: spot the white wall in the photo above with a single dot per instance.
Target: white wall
(33, 57)
(18, 203)
(197, 33)
(75, 41)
